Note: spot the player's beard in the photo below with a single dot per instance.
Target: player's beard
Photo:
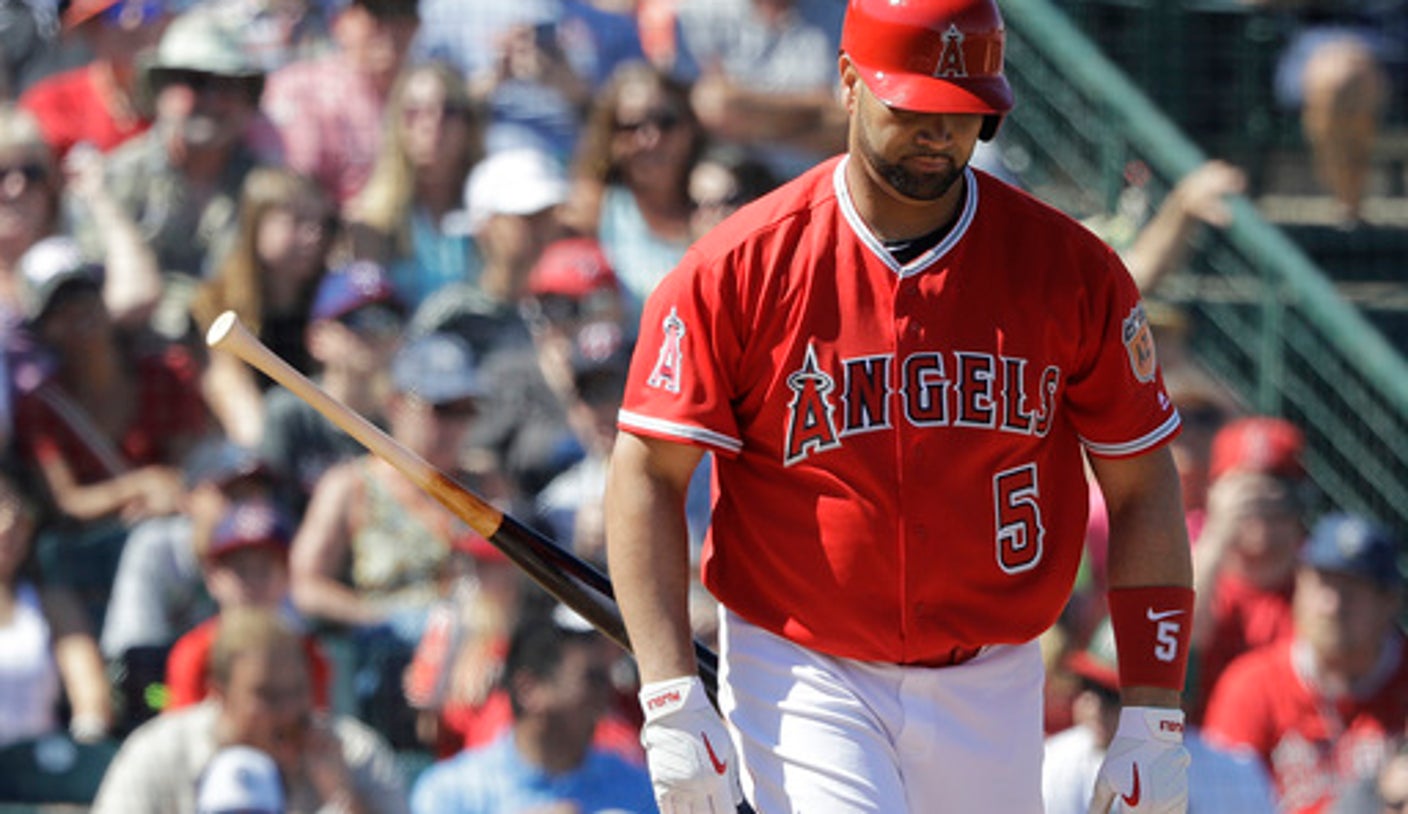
(928, 186)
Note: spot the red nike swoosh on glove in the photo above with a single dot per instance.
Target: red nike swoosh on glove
(1132, 799)
(719, 766)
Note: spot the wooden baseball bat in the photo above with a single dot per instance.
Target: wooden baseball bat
(573, 581)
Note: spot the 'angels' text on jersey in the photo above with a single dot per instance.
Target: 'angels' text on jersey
(928, 389)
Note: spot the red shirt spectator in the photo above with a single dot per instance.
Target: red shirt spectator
(82, 105)
(169, 406)
(1326, 707)
(187, 674)
(1270, 701)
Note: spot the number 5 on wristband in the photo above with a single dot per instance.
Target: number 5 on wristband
(1152, 627)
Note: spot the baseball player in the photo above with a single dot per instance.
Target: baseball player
(899, 365)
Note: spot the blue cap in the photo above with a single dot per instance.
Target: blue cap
(438, 368)
(251, 523)
(357, 284)
(1350, 544)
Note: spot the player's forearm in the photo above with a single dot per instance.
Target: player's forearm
(1149, 552)
(1148, 531)
(648, 557)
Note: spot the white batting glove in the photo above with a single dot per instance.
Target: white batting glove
(692, 765)
(1146, 766)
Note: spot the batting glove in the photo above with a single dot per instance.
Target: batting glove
(1146, 766)
(692, 765)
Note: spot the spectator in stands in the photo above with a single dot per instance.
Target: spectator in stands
(180, 179)
(32, 189)
(261, 697)
(769, 79)
(512, 205)
(1329, 703)
(158, 593)
(330, 108)
(280, 252)
(557, 675)
(29, 38)
(631, 176)
(1219, 780)
(1244, 561)
(454, 674)
(354, 330)
(49, 650)
(512, 210)
(244, 566)
(105, 430)
(518, 64)
(524, 424)
(1200, 198)
(98, 103)
(368, 521)
(278, 32)
(371, 544)
(571, 503)
(598, 36)
(1343, 64)
(726, 177)
(409, 216)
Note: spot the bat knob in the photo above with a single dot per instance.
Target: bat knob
(221, 328)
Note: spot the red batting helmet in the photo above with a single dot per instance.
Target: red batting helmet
(931, 56)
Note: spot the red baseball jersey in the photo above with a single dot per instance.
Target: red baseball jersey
(898, 466)
(1313, 746)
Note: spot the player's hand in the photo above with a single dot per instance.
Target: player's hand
(692, 764)
(1146, 766)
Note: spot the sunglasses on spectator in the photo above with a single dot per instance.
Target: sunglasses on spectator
(461, 410)
(32, 172)
(662, 120)
(200, 81)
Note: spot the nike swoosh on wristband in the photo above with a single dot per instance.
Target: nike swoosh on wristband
(1132, 799)
(1157, 616)
(719, 766)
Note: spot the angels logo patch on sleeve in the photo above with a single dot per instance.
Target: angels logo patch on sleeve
(1139, 344)
(666, 373)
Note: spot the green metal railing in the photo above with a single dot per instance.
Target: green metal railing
(1265, 318)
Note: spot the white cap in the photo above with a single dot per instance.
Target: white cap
(50, 257)
(240, 779)
(518, 181)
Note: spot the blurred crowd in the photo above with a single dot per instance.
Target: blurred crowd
(448, 213)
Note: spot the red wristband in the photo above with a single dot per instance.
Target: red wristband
(1152, 625)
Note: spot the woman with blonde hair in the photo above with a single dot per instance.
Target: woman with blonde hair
(406, 216)
(280, 253)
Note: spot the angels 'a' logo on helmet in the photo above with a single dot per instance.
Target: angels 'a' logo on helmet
(951, 58)
(665, 375)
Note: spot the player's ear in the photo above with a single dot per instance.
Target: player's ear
(850, 79)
